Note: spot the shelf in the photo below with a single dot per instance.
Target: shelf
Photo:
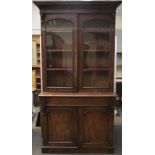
(118, 79)
(38, 83)
(59, 69)
(35, 66)
(58, 50)
(105, 51)
(37, 77)
(95, 69)
(59, 30)
(119, 52)
(100, 30)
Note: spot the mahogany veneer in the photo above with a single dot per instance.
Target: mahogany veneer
(77, 98)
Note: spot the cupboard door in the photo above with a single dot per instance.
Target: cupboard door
(60, 52)
(61, 126)
(96, 52)
(96, 127)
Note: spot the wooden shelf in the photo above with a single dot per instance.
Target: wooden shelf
(59, 69)
(35, 66)
(58, 50)
(95, 69)
(100, 30)
(59, 30)
(105, 51)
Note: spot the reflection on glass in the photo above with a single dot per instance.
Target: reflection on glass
(96, 41)
(59, 40)
(57, 24)
(96, 46)
(59, 55)
(96, 34)
(96, 23)
(59, 59)
(96, 59)
(95, 79)
(59, 78)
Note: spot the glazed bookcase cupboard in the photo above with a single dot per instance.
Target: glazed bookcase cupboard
(77, 98)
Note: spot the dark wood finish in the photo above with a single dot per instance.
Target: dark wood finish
(73, 19)
(78, 94)
(77, 101)
(62, 122)
(96, 127)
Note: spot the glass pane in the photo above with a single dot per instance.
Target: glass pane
(96, 56)
(59, 78)
(59, 40)
(58, 23)
(95, 79)
(96, 23)
(96, 34)
(96, 41)
(96, 59)
(59, 35)
(59, 59)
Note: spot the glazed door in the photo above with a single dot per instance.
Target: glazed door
(59, 35)
(96, 52)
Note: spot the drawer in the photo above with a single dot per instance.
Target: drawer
(80, 101)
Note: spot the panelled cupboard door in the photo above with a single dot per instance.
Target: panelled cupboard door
(96, 52)
(96, 127)
(59, 41)
(61, 126)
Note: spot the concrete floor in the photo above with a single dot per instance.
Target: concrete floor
(37, 142)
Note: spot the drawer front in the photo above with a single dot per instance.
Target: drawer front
(82, 101)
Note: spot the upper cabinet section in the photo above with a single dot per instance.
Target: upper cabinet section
(77, 45)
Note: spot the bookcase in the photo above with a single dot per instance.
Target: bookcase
(36, 62)
(77, 97)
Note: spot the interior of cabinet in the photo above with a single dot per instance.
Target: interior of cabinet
(59, 53)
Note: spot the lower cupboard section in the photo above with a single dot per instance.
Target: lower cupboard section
(77, 129)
